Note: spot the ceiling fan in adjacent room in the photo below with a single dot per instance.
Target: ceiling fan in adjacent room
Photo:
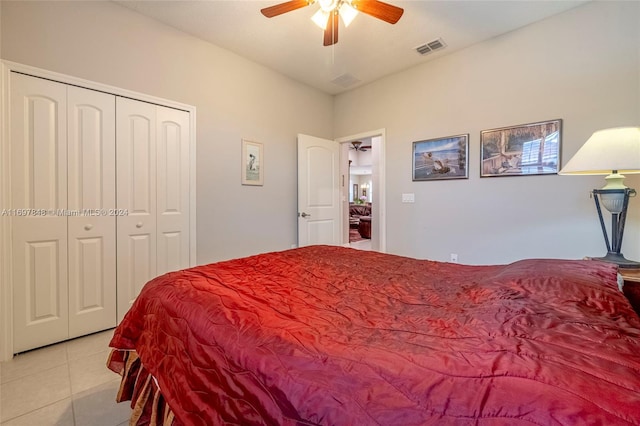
(358, 146)
(327, 16)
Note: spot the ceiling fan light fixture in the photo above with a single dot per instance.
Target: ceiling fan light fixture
(328, 5)
(347, 13)
(327, 17)
(321, 18)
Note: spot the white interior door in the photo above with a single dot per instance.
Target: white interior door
(319, 220)
(92, 200)
(136, 194)
(39, 191)
(172, 189)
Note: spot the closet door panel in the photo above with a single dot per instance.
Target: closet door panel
(136, 194)
(173, 189)
(40, 309)
(38, 144)
(92, 219)
(38, 205)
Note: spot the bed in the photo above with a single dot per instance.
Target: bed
(333, 336)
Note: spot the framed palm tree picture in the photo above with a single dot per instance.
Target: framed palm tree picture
(524, 150)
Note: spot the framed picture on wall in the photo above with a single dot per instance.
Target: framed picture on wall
(442, 158)
(524, 150)
(252, 163)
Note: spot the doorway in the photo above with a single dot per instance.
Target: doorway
(360, 193)
(363, 192)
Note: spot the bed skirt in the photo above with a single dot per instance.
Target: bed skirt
(139, 387)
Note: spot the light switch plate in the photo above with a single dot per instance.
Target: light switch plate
(408, 198)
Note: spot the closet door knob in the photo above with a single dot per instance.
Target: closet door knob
(88, 227)
(139, 225)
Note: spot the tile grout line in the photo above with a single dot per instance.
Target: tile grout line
(34, 410)
(0, 393)
(73, 410)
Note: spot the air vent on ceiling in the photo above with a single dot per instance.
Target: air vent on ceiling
(345, 80)
(429, 47)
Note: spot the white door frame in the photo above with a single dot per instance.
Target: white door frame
(379, 217)
(6, 288)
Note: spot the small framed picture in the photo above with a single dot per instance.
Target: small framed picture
(252, 163)
(442, 158)
(524, 150)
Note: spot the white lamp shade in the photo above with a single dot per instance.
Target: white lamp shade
(607, 150)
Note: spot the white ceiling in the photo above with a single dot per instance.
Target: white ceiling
(368, 50)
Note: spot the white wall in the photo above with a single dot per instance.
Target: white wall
(581, 66)
(235, 99)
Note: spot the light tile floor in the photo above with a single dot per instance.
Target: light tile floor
(67, 384)
(361, 245)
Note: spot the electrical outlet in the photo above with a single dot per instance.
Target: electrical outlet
(454, 257)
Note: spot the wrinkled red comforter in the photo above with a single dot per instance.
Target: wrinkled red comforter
(334, 336)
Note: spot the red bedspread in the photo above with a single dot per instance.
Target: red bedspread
(334, 336)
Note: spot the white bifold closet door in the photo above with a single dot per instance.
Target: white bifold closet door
(172, 189)
(99, 205)
(136, 195)
(39, 182)
(153, 190)
(91, 191)
(62, 161)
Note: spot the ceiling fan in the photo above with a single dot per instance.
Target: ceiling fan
(357, 145)
(327, 15)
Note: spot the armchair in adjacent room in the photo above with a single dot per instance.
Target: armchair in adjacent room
(356, 211)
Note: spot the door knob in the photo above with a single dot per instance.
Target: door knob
(139, 225)
(303, 214)
(88, 227)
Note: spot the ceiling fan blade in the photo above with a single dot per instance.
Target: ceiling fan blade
(331, 32)
(285, 7)
(378, 9)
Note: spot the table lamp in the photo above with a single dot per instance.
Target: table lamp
(610, 152)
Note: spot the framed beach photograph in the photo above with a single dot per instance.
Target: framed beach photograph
(442, 158)
(524, 150)
(252, 163)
